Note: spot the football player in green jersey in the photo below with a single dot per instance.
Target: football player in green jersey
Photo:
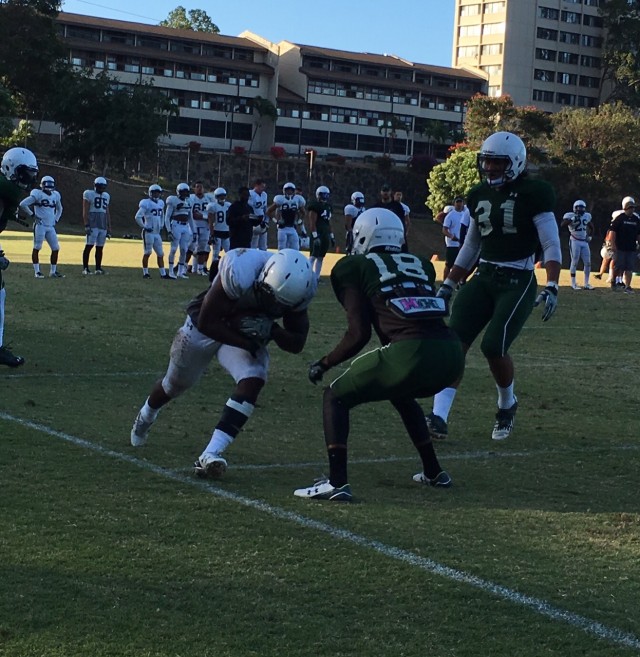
(512, 216)
(394, 294)
(18, 172)
(319, 214)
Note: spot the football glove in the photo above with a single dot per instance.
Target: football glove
(170, 236)
(257, 329)
(108, 234)
(4, 261)
(316, 371)
(445, 292)
(87, 230)
(549, 297)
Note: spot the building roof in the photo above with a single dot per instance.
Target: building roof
(287, 96)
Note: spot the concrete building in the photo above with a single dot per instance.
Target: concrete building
(334, 101)
(545, 53)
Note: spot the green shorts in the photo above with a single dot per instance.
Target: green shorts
(499, 298)
(407, 369)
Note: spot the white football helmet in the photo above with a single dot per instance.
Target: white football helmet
(19, 165)
(377, 227)
(323, 193)
(503, 146)
(155, 191)
(289, 189)
(579, 207)
(100, 184)
(286, 280)
(183, 190)
(628, 200)
(220, 193)
(47, 184)
(357, 198)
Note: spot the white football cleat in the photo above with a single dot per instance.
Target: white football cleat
(210, 465)
(140, 431)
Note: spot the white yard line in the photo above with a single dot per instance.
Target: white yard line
(538, 605)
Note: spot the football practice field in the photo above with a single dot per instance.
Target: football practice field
(110, 551)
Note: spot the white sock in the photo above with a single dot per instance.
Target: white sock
(53, 268)
(163, 271)
(149, 414)
(145, 270)
(218, 443)
(506, 398)
(443, 401)
(36, 267)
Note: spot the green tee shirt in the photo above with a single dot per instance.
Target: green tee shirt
(504, 217)
(323, 215)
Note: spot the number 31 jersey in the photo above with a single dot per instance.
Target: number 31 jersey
(505, 217)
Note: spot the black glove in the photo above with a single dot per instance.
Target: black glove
(445, 292)
(548, 296)
(316, 371)
(4, 261)
(108, 235)
(87, 230)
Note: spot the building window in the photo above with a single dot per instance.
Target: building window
(565, 99)
(548, 13)
(591, 42)
(567, 78)
(592, 3)
(495, 91)
(370, 143)
(118, 37)
(492, 49)
(149, 42)
(592, 21)
(548, 35)
(568, 57)
(590, 62)
(469, 30)
(589, 81)
(494, 7)
(467, 51)
(493, 28)
(569, 37)
(546, 54)
(586, 101)
(185, 46)
(542, 96)
(87, 33)
(494, 69)
(543, 75)
(570, 17)
(470, 10)
(345, 140)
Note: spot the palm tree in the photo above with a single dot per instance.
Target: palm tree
(265, 109)
(435, 131)
(389, 128)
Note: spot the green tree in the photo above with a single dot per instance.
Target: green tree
(389, 128)
(194, 19)
(594, 156)
(435, 132)
(265, 109)
(621, 50)
(456, 175)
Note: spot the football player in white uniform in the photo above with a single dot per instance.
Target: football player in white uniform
(200, 245)
(97, 222)
(44, 206)
(219, 228)
(178, 221)
(258, 204)
(580, 231)
(150, 217)
(234, 320)
(351, 212)
(287, 210)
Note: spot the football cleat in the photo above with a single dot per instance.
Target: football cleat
(87, 272)
(437, 426)
(588, 287)
(183, 276)
(574, 286)
(140, 431)
(146, 275)
(168, 277)
(504, 422)
(9, 359)
(39, 274)
(100, 272)
(56, 274)
(323, 490)
(210, 466)
(443, 480)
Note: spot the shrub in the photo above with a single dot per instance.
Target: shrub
(278, 152)
(239, 150)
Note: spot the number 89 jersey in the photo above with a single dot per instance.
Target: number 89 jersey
(401, 293)
(504, 217)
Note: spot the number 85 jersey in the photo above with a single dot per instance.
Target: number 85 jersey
(504, 217)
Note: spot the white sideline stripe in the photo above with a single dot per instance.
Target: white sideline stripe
(82, 375)
(540, 606)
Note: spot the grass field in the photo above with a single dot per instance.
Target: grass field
(109, 551)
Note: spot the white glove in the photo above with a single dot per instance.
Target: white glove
(550, 298)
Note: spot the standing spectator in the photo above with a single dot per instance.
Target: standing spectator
(287, 210)
(178, 221)
(511, 216)
(216, 213)
(351, 213)
(623, 236)
(258, 203)
(395, 295)
(454, 229)
(200, 248)
(44, 206)
(97, 222)
(606, 253)
(150, 217)
(319, 214)
(580, 231)
(397, 196)
(387, 201)
(234, 320)
(241, 221)
(18, 171)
